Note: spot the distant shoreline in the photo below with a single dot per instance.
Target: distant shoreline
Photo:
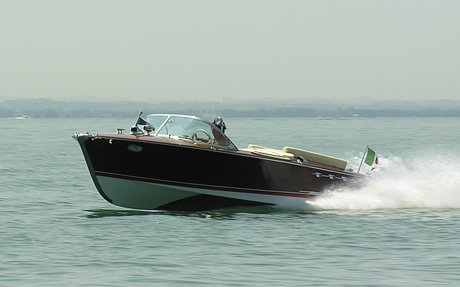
(237, 109)
(258, 113)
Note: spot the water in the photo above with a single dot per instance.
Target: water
(400, 229)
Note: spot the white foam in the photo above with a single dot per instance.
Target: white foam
(421, 182)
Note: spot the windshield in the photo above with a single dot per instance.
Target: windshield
(190, 128)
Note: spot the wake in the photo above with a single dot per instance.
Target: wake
(429, 182)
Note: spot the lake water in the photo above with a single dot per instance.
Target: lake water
(400, 229)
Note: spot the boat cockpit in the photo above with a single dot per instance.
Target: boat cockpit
(188, 128)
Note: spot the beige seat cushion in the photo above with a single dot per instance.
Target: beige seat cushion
(268, 152)
(316, 157)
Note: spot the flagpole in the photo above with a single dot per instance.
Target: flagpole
(365, 151)
(140, 114)
(135, 129)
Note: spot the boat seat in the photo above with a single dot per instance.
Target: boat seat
(316, 157)
(268, 152)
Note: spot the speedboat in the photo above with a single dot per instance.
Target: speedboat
(185, 163)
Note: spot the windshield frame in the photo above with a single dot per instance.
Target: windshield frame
(228, 144)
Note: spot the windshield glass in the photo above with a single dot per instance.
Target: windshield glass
(156, 121)
(190, 128)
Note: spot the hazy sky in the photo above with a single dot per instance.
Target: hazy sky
(210, 50)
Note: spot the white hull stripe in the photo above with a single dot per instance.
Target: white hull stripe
(198, 187)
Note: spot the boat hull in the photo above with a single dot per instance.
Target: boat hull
(153, 174)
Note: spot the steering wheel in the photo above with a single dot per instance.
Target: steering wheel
(194, 136)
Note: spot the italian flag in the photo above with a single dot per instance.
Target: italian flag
(371, 158)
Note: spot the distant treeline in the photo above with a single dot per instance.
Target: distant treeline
(350, 112)
(259, 112)
(55, 113)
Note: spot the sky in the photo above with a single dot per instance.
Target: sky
(176, 50)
